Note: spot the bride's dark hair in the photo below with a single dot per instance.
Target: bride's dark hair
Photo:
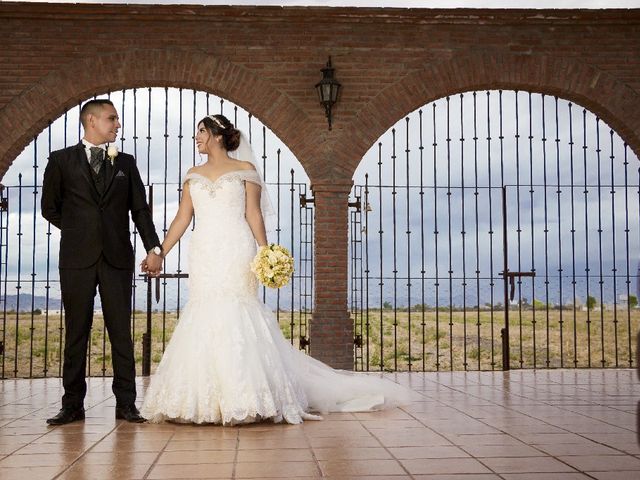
(220, 125)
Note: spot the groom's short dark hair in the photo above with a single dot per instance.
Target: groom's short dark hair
(92, 106)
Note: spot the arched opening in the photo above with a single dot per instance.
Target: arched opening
(158, 128)
(57, 92)
(429, 240)
(569, 78)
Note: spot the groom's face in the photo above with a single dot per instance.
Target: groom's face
(105, 124)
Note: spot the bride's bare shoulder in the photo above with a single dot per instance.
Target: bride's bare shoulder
(244, 165)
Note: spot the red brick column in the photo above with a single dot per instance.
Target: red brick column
(331, 331)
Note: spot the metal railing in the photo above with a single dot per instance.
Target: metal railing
(158, 128)
(472, 186)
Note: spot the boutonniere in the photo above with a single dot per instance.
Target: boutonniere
(112, 153)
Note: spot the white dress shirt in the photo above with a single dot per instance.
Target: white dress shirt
(87, 148)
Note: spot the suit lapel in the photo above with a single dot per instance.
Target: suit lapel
(85, 168)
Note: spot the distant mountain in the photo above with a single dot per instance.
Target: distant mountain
(39, 302)
(458, 298)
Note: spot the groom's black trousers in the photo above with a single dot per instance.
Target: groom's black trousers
(78, 287)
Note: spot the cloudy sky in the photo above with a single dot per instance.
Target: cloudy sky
(394, 3)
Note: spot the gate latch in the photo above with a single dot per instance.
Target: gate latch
(512, 281)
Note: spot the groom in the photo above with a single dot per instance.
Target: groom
(88, 195)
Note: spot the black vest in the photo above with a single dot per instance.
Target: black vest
(99, 178)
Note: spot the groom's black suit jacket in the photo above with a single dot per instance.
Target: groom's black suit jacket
(92, 224)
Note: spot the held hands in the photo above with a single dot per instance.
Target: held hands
(152, 264)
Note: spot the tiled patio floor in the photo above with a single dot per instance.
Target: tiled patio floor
(558, 424)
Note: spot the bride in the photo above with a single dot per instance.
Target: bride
(227, 361)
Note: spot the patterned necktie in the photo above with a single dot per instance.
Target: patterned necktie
(96, 158)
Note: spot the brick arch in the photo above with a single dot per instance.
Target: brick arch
(63, 88)
(594, 89)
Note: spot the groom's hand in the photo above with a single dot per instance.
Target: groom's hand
(144, 268)
(152, 265)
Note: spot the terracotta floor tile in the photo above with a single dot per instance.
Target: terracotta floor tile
(265, 426)
(35, 448)
(213, 444)
(82, 428)
(395, 414)
(370, 477)
(480, 439)
(361, 467)
(595, 427)
(630, 448)
(284, 455)
(536, 425)
(39, 428)
(119, 458)
(343, 442)
(480, 451)
(17, 439)
(275, 434)
(439, 466)
(412, 437)
(552, 438)
(198, 456)
(30, 473)
(437, 451)
(123, 445)
(339, 416)
(577, 449)
(84, 471)
(373, 424)
(476, 476)
(334, 429)
(276, 469)
(138, 435)
(69, 438)
(9, 449)
(544, 476)
(209, 470)
(603, 463)
(333, 454)
(251, 444)
(457, 428)
(139, 432)
(151, 429)
(615, 439)
(530, 429)
(39, 460)
(187, 432)
(303, 477)
(526, 465)
(614, 475)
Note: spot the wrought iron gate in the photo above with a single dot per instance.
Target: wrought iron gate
(436, 222)
(158, 128)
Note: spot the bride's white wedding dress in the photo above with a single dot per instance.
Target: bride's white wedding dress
(227, 361)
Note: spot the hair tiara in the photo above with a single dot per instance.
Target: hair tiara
(217, 122)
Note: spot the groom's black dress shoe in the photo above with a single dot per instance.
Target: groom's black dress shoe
(129, 413)
(67, 415)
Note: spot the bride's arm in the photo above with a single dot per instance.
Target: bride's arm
(181, 221)
(253, 213)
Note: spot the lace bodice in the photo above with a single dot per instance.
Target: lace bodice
(229, 185)
(222, 239)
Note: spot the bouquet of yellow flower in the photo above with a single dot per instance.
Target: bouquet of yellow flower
(273, 265)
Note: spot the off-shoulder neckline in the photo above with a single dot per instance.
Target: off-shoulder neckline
(213, 182)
